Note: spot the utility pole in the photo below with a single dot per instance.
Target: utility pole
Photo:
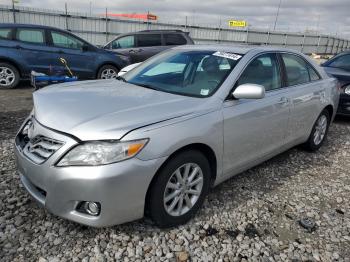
(278, 11)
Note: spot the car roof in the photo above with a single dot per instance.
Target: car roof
(238, 49)
(12, 25)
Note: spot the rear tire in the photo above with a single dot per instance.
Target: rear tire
(107, 72)
(319, 132)
(9, 76)
(173, 201)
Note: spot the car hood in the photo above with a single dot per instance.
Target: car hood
(107, 109)
(339, 73)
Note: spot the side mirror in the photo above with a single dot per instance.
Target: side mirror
(249, 91)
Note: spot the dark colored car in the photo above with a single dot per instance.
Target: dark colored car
(339, 67)
(140, 46)
(24, 48)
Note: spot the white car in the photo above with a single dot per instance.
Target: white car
(127, 69)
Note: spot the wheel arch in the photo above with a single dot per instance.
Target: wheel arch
(104, 64)
(206, 150)
(330, 110)
(13, 63)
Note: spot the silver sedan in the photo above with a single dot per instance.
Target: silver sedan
(153, 143)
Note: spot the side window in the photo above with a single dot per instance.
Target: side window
(174, 39)
(341, 62)
(296, 70)
(124, 42)
(263, 70)
(34, 36)
(66, 41)
(6, 33)
(144, 40)
(313, 74)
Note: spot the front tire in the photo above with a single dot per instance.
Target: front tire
(107, 72)
(9, 76)
(319, 132)
(179, 189)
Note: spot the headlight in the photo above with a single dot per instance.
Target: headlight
(102, 153)
(347, 90)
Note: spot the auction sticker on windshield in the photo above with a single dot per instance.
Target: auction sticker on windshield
(228, 55)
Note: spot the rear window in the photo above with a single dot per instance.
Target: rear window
(35, 36)
(174, 39)
(149, 40)
(5, 33)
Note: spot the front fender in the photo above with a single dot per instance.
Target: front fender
(165, 138)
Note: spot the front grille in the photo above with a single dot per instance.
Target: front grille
(41, 148)
(36, 147)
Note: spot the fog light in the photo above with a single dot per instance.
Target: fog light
(92, 208)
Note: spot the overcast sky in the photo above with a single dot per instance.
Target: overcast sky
(327, 16)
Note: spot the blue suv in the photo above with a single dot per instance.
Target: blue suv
(24, 48)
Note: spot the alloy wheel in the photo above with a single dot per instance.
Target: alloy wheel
(320, 129)
(183, 189)
(109, 73)
(7, 76)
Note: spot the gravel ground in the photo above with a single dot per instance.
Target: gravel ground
(255, 216)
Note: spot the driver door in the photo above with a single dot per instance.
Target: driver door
(255, 129)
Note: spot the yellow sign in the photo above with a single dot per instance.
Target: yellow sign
(236, 23)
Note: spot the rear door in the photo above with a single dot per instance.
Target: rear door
(256, 128)
(148, 45)
(305, 93)
(32, 46)
(72, 49)
(174, 39)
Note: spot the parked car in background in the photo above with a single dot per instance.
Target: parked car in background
(339, 67)
(24, 48)
(183, 121)
(140, 46)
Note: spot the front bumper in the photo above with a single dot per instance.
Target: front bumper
(344, 105)
(120, 188)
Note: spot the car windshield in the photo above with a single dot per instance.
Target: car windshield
(184, 72)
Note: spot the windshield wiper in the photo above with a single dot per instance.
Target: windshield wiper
(121, 78)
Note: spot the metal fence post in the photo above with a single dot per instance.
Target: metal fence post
(66, 12)
(268, 37)
(318, 43)
(302, 44)
(13, 11)
(106, 25)
(246, 41)
(285, 40)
